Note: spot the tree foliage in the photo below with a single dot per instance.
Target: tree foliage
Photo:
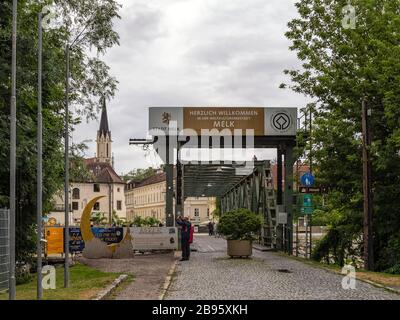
(240, 224)
(137, 175)
(138, 221)
(90, 81)
(340, 67)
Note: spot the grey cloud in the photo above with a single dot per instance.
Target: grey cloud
(233, 53)
(140, 24)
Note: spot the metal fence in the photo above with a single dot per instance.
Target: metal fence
(4, 248)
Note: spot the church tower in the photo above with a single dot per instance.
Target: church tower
(104, 138)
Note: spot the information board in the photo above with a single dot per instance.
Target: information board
(55, 240)
(107, 235)
(154, 238)
(268, 121)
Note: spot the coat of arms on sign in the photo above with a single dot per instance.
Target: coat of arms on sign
(166, 117)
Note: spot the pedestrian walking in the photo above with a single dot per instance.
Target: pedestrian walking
(210, 228)
(185, 225)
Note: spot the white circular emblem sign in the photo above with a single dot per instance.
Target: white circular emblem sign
(281, 121)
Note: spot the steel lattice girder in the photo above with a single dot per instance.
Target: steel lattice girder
(249, 192)
(212, 180)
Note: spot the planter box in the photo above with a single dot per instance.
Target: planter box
(240, 248)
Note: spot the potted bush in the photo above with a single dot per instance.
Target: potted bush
(239, 228)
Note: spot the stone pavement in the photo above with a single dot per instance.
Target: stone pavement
(149, 270)
(210, 274)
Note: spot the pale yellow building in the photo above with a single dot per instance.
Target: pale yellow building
(147, 199)
(104, 181)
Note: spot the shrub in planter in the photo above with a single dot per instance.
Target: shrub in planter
(240, 227)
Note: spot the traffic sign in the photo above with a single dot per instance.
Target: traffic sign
(307, 200)
(307, 179)
(310, 190)
(307, 210)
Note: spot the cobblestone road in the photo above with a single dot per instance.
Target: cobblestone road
(210, 274)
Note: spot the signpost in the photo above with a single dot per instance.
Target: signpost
(307, 180)
(319, 190)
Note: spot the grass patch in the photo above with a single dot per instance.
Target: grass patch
(85, 283)
(121, 287)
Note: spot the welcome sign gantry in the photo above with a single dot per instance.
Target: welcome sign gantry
(184, 128)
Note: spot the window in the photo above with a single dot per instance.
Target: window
(96, 206)
(196, 212)
(208, 212)
(119, 205)
(75, 193)
(96, 187)
(75, 205)
(117, 189)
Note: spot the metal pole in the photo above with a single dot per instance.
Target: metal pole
(306, 244)
(289, 196)
(66, 183)
(311, 170)
(110, 213)
(178, 185)
(311, 165)
(169, 172)
(39, 165)
(279, 175)
(310, 235)
(368, 240)
(13, 149)
(297, 238)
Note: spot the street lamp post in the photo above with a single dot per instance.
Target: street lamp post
(13, 149)
(66, 176)
(39, 165)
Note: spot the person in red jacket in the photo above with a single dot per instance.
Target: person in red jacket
(185, 225)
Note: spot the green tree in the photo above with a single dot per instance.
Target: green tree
(138, 221)
(98, 218)
(90, 81)
(138, 175)
(340, 67)
(116, 220)
(151, 222)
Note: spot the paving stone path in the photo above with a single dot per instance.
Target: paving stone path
(210, 274)
(150, 272)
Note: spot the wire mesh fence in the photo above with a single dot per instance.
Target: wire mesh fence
(4, 248)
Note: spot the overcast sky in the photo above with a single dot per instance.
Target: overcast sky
(193, 53)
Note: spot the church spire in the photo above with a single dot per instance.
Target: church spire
(104, 137)
(103, 130)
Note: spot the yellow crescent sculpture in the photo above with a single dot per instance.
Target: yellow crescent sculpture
(94, 247)
(86, 229)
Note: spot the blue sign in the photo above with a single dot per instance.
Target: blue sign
(307, 180)
(76, 243)
(107, 235)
